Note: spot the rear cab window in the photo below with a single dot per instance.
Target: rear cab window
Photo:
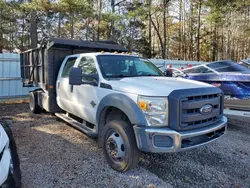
(87, 64)
(67, 66)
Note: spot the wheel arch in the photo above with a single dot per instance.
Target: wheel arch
(123, 105)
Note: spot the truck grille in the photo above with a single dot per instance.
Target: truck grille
(190, 115)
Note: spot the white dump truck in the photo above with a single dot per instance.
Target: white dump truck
(122, 99)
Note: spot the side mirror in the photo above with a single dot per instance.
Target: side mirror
(75, 76)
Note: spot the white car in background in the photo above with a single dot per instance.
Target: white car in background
(10, 173)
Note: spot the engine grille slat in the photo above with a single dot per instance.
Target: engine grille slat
(197, 103)
(198, 117)
(190, 115)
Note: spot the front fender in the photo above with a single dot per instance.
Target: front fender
(126, 105)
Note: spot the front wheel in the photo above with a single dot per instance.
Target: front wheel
(119, 145)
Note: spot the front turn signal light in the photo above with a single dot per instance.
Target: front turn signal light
(142, 105)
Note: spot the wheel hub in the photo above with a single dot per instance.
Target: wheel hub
(115, 146)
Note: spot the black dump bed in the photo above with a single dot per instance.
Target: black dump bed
(40, 66)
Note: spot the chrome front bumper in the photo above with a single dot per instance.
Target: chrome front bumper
(160, 140)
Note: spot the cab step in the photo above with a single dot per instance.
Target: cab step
(80, 126)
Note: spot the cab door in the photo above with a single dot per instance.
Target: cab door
(85, 96)
(64, 90)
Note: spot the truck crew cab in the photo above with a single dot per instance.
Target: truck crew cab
(123, 100)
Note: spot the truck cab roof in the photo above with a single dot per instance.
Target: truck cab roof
(101, 53)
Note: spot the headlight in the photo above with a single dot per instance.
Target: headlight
(155, 110)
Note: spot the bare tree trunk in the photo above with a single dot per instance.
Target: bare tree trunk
(11, 37)
(222, 42)
(149, 4)
(99, 18)
(1, 41)
(199, 28)
(158, 34)
(72, 25)
(191, 31)
(112, 22)
(59, 25)
(1, 32)
(214, 47)
(22, 36)
(229, 38)
(180, 27)
(87, 29)
(184, 32)
(168, 37)
(33, 30)
(164, 29)
(153, 48)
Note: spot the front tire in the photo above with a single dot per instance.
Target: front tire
(34, 107)
(119, 145)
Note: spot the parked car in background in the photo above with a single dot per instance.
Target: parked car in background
(245, 62)
(231, 77)
(10, 173)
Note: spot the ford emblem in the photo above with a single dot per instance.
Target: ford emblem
(206, 109)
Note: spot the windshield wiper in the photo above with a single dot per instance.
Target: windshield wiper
(126, 76)
(120, 76)
(149, 75)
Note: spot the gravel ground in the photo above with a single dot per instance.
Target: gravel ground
(53, 154)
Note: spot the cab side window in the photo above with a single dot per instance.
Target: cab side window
(87, 64)
(68, 65)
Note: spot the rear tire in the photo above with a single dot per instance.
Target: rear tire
(119, 145)
(34, 107)
(14, 178)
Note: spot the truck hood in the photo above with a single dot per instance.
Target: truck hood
(154, 86)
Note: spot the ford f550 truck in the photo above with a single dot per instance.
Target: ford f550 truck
(123, 100)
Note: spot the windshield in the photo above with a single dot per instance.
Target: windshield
(227, 66)
(113, 66)
(198, 70)
(245, 63)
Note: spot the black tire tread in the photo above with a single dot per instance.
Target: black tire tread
(129, 132)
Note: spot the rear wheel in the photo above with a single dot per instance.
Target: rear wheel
(34, 107)
(119, 145)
